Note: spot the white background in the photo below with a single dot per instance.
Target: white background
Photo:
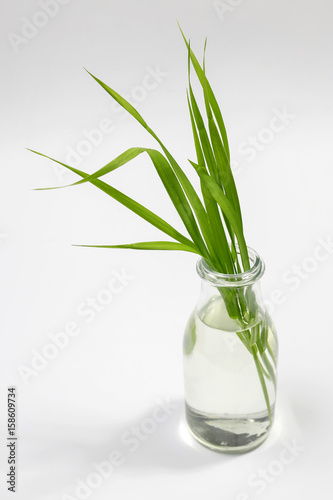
(263, 58)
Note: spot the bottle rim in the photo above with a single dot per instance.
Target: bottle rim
(245, 278)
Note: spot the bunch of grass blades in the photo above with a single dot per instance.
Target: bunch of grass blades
(212, 218)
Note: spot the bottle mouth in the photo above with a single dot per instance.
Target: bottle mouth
(233, 280)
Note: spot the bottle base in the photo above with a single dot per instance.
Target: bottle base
(229, 433)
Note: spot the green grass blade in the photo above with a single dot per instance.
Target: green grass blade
(128, 202)
(211, 161)
(169, 180)
(190, 192)
(262, 381)
(149, 245)
(228, 211)
(121, 160)
(211, 164)
(177, 196)
(204, 152)
(204, 138)
(212, 99)
(193, 199)
(216, 239)
(197, 145)
(220, 242)
(272, 355)
(269, 368)
(226, 179)
(123, 103)
(219, 246)
(213, 168)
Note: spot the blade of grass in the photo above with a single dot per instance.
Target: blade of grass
(169, 180)
(149, 245)
(217, 230)
(117, 162)
(262, 381)
(203, 135)
(213, 168)
(204, 154)
(211, 96)
(226, 178)
(228, 210)
(128, 202)
(208, 153)
(189, 190)
(219, 147)
(269, 367)
(123, 103)
(178, 198)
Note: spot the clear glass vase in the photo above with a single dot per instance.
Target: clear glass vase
(230, 356)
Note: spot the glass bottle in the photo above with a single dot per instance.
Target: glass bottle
(230, 355)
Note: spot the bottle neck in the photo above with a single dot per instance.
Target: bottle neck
(240, 293)
(238, 280)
